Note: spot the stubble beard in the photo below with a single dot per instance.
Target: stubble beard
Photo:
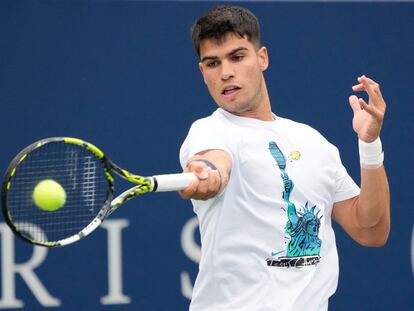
(244, 105)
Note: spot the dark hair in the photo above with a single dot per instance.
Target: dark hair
(217, 22)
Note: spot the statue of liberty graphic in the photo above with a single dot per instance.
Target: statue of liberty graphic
(302, 226)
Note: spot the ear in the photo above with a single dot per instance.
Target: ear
(201, 67)
(263, 58)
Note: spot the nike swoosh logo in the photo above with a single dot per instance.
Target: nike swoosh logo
(275, 253)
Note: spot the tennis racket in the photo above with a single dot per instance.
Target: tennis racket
(86, 175)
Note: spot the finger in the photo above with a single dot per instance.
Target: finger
(376, 86)
(374, 92)
(200, 169)
(373, 111)
(361, 87)
(203, 189)
(370, 80)
(188, 192)
(363, 104)
(209, 187)
(358, 87)
(372, 88)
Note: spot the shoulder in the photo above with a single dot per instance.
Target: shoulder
(216, 126)
(306, 134)
(207, 133)
(300, 128)
(211, 121)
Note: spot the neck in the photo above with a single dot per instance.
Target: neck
(263, 110)
(265, 115)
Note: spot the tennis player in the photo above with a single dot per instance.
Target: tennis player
(269, 187)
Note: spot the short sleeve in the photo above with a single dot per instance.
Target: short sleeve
(345, 186)
(204, 134)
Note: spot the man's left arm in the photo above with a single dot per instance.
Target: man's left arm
(366, 218)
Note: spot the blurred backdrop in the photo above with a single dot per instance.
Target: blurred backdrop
(124, 75)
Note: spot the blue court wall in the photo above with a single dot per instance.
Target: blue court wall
(123, 75)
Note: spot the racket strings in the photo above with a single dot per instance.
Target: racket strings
(78, 171)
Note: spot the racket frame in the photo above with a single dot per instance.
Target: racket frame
(145, 184)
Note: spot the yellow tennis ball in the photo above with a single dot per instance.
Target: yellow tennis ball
(49, 195)
(295, 155)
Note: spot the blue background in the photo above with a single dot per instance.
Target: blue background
(124, 75)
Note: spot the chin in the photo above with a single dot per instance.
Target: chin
(235, 109)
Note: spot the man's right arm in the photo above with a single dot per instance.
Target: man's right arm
(213, 168)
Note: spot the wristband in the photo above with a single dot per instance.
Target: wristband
(371, 155)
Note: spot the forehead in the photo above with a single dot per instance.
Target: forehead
(220, 48)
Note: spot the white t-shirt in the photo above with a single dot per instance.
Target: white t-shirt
(266, 247)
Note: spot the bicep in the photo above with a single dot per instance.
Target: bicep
(343, 213)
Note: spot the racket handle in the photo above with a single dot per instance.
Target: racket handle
(172, 182)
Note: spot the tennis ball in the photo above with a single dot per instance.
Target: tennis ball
(49, 195)
(295, 155)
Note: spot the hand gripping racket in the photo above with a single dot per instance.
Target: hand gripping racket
(86, 176)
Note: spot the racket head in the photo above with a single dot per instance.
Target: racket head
(84, 173)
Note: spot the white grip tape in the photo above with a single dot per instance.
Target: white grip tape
(174, 182)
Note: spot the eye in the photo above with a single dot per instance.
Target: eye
(212, 64)
(237, 57)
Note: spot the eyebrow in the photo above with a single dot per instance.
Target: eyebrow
(205, 58)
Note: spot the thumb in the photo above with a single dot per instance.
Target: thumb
(354, 102)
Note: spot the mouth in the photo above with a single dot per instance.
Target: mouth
(229, 90)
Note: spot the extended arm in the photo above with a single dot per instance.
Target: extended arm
(366, 218)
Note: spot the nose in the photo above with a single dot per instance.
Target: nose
(227, 71)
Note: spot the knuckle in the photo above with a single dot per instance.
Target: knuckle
(190, 165)
(194, 166)
(202, 189)
(212, 189)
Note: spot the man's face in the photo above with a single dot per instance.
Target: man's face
(233, 72)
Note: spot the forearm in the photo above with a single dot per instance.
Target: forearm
(373, 205)
(366, 218)
(374, 200)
